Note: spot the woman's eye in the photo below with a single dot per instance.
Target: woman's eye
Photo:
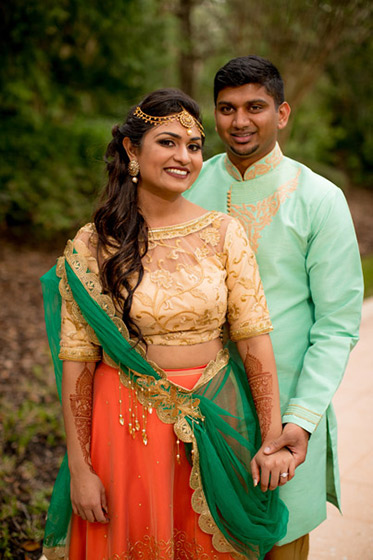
(165, 142)
(195, 147)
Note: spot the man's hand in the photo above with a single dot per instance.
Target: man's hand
(295, 439)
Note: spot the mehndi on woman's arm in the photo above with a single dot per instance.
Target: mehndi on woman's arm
(259, 362)
(87, 492)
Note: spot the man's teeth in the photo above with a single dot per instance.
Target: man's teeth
(177, 171)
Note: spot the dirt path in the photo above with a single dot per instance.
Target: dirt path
(350, 537)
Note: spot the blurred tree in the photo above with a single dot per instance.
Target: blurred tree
(70, 68)
(186, 45)
(321, 48)
(64, 62)
(350, 99)
(301, 37)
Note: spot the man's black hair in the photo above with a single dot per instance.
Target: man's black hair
(250, 69)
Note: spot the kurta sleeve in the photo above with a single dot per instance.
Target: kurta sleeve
(336, 286)
(248, 313)
(76, 336)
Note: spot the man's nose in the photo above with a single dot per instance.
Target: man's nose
(241, 118)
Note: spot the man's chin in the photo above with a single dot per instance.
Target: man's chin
(245, 151)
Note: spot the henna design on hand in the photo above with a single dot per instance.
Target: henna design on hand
(81, 408)
(262, 391)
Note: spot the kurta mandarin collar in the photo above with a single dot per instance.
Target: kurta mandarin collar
(260, 167)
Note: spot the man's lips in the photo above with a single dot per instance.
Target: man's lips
(242, 137)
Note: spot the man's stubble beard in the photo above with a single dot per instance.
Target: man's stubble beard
(244, 154)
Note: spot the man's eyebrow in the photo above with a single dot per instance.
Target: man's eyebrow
(259, 100)
(249, 102)
(225, 103)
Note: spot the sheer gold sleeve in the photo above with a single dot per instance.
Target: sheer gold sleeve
(77, 342)
(248, 313)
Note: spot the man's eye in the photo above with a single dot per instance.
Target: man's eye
(256, 107)
(226, 110)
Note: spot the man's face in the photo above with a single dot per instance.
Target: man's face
(248, 122)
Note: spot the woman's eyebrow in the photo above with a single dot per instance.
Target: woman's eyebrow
(177, 135)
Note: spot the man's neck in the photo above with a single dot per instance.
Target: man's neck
(243, 163)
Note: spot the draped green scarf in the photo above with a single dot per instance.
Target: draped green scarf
(217, 420)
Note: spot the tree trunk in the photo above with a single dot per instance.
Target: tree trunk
(186, 46)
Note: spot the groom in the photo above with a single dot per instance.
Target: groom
(300, 227)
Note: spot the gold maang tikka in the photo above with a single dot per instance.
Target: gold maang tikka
(185, 119)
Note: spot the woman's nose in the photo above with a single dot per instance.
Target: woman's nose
(182, 154)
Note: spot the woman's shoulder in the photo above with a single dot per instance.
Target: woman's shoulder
(230, 224)
(86, 238)
(86, 231)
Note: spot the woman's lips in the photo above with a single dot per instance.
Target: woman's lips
(177, 172)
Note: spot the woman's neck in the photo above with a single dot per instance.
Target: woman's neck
(160, 212)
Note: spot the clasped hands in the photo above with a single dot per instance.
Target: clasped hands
(275, 462)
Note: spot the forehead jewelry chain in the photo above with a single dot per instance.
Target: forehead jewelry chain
(185, 119)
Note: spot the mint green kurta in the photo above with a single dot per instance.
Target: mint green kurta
(300, 227)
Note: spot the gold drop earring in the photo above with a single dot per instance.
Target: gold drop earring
(134, 170)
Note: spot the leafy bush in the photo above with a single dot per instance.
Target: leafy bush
(51, 173)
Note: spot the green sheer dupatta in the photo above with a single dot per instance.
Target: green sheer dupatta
(216, 421)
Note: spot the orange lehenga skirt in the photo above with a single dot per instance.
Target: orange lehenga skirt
(147, 485)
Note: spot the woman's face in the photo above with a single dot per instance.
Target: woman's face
(170, 159)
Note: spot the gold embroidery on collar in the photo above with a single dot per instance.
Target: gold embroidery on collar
(261, 167)
(180, 230)
(255, 217)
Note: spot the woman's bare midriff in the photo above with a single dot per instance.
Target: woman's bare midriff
(175, 357)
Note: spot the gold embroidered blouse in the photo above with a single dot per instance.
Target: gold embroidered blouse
(197, 276)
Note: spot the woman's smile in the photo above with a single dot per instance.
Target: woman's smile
(178, 172)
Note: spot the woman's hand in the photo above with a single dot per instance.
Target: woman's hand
(88, 497)
(295, 439)
(272, 470)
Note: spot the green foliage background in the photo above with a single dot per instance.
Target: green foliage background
(71, 68)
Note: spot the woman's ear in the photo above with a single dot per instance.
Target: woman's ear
(131, 150)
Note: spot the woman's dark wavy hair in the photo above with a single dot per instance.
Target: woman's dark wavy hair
(118, 220)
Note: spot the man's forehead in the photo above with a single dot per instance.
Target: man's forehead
(246, 93)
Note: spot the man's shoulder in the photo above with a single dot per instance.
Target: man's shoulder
(214, 159)
(310, 178)
(210, 188)
(312, 187)
(214, 163)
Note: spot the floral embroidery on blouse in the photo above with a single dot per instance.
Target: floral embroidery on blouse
(210, 235)
(196, 276)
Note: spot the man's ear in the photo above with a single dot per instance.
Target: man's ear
(131, 150)
(284, 111)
